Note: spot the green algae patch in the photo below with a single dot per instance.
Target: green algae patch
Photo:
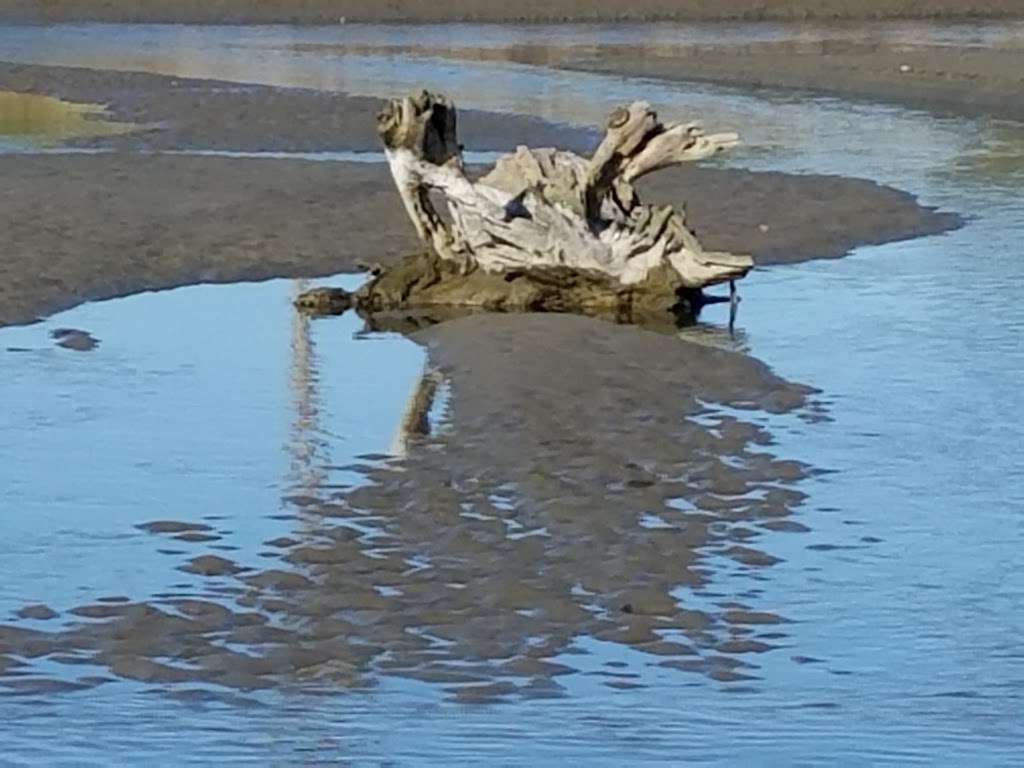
(34, 120)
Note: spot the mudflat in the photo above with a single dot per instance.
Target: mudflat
(642, 434)
(98, 226)
(133, 218)
(645, 433)
(330, 11)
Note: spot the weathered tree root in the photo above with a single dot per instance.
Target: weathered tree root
(426, 280)
(545, 230)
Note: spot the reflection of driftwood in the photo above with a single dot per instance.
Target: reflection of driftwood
(544, 230)
(415, 421)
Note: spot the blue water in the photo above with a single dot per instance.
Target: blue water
(907, 587)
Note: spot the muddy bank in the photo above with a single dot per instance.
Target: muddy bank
(620, 503)
(92, 227)
(330, 11)
(783, 218)
(183, 113)
(95, 227)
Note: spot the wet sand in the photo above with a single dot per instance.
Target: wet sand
(635, 457)
(95, 227)
(98, 226)
(330, 11)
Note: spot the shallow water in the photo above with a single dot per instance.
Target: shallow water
(780, 130)
(898, 583)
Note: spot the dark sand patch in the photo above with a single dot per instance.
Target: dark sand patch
(330, 11)
(74, 339)
(743, 616)
(100, 610)
(96, 227)
(172, 526)
(282, 542)
(783, 218)
(211, 565)
(196, 536)
(38, 612)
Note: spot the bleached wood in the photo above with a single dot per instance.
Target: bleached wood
(552, 208)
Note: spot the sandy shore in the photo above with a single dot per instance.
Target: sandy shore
(623, 437)
(330, 11)
(96, 226)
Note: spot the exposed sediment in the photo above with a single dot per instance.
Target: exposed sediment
(81, 227)
(97, 227)
(330, 11)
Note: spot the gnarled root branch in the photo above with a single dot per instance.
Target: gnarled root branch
(545, 229)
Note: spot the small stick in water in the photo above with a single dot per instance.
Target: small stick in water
(734, 304)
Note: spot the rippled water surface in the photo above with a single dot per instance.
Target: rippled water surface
(821, 578)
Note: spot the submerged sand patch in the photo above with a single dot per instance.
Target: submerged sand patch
(333, 11)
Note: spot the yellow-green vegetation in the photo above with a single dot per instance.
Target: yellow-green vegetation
(47, 120)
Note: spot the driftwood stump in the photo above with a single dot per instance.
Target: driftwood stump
(545, 229)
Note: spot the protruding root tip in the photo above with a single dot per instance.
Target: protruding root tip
(324, 301)
(734, 305)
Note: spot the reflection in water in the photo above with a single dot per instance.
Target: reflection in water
(425, 570)
(680, 321)
(45, 120)
(308, 449)
(414, 422)
(490, 549)
(623, 501)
